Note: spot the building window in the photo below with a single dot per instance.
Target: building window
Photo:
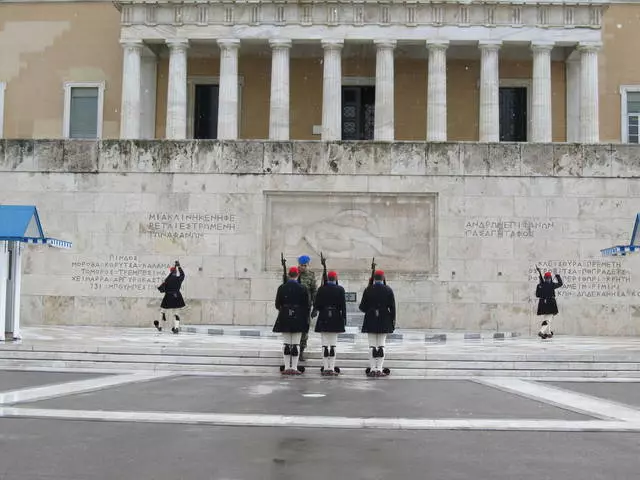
(2, 89)
(630, 108)
(83, 104)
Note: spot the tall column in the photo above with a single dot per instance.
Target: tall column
(177, 91)
(489, 92)
(572, 74)
(332, 90)
(541, 92)
(589, 120)
(130, 111)
(228, 92)
(437, 91)
(385, 79)
(279, 105)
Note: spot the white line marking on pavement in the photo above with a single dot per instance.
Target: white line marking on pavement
(242, 420)
(577, 402)
(80, 386)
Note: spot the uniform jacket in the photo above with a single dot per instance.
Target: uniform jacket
(379, 306)
(292, 303)
(546, 292)
(171, 289)
(308, 279)
(331, 305)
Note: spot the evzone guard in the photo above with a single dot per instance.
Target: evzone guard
(547, 305)
(172, 300)
(331, 307)
(292, 303)
(379, 307)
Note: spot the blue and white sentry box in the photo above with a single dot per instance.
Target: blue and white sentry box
(19, 225)
(625, 249)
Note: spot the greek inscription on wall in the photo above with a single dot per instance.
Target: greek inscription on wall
(188, 225)
(483, 227)
(124, 273)
(590, 278)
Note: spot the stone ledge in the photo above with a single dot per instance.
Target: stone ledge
(258, 157)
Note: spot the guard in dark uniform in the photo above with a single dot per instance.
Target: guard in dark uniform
(292, 303)
(379, 306)
(547, 305)
(331, 306)
(172, 301)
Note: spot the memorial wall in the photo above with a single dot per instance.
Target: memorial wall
(457, 227)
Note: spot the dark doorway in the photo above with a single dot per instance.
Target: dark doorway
(358, 110)
(513, 114)
(205, 121)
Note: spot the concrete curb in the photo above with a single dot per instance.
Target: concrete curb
(354, 332)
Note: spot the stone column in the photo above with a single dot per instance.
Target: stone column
(177, 90)
(130, 111)
(437, 91)
(279, 104)
(332, 90)
(541, 92)
(489, 92)
(589, 112)
(384, 109)
(572, 72)
(228, 92)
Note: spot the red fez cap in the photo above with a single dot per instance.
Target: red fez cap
(547, 274)
(294, 270)
(379, 272)
(332, 274)
(172, 268)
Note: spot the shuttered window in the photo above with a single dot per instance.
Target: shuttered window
(83, 112)
(633, 115)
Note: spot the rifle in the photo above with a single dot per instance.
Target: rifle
(540, 274)
(323, 261)
(373, 270)
(283, 261)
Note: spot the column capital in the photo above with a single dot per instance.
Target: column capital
(280, 43)
(228, 43)
(437, 44)
(132, 43)
(177, 43)
(385, 43)
(542, 46)
(332, 44)
(589, 46)
(490, 44)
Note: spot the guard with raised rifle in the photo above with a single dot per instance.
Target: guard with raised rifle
(547, 305)
(331, 307)
(172, 300)
(379, 306)
(292, 303)
(308, 279)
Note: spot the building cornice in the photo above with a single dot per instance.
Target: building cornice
(549, 14)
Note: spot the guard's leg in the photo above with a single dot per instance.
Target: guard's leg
(382, 337)
(156, 323)
(286, 352)
(303, 345)
(325, 352)
(176, 325)
(295, 353)
(373, 353)
(545, 328)
(333, 340)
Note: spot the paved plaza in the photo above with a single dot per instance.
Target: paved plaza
(108, 423)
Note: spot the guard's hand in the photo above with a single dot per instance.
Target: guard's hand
(177, 263)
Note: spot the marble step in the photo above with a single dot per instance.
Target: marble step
(115, 367)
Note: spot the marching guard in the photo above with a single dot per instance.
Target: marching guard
(292, 303)
(547, 305)
(379, 307)
(172, 300)
(331, 307)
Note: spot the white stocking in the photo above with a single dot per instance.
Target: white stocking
(332, 339)
(295, 342)
(176, 322)
(286, 340)
(373, 342)
(382, 337)
(325, 344)
(546, 329)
